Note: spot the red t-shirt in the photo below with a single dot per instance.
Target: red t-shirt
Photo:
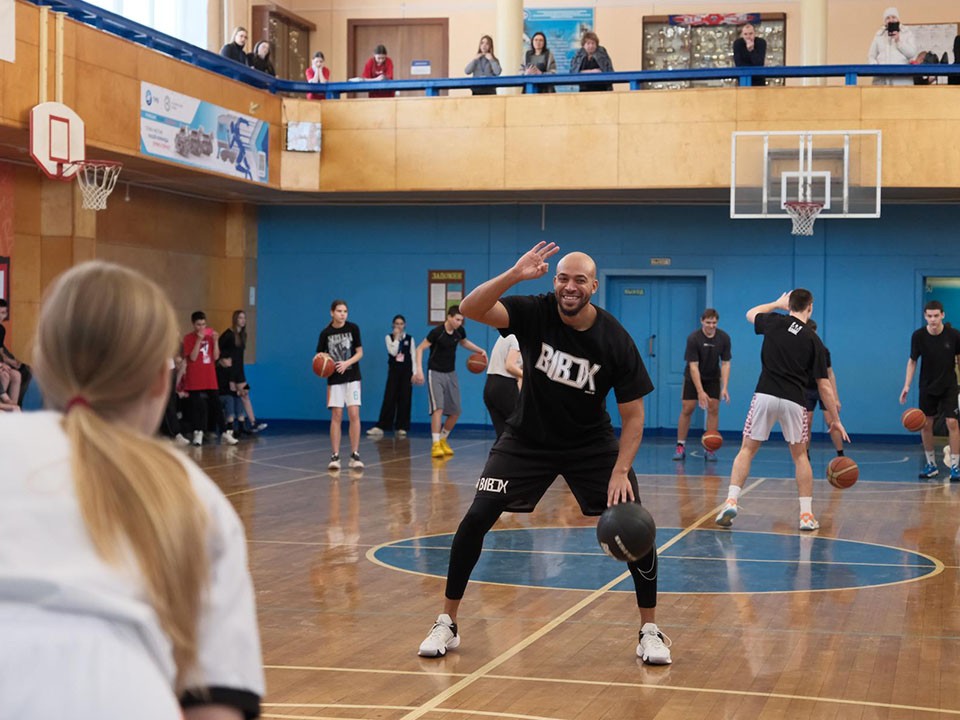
(372, 70)
(326, 76)
(201, 373)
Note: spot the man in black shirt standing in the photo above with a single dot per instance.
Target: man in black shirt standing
(791, 354)
(938, 345)
(705, 378)
(574, 353)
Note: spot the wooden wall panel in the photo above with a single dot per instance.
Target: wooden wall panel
(444, 158)
(358, 159)
(561, 156)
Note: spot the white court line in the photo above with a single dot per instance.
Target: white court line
(481, 672)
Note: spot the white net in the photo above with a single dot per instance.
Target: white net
(97, 179)
(804, 215)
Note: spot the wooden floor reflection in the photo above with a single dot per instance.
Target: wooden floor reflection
(340, 632)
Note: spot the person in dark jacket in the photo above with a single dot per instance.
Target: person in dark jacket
(260, 60)
(234, 49)
(592, 58)
(750, 51)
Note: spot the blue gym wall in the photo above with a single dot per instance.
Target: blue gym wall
(866, 276)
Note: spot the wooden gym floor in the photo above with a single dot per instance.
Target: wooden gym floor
(858, 620)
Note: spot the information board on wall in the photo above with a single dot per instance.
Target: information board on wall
(8, 30)
(444, 289)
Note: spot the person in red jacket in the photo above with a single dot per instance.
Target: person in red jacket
(379, 67)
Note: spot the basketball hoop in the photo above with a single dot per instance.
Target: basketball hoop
(96, 179)
(803, 214)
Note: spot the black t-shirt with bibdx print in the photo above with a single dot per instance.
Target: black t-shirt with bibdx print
(341, 344)
(568, 374)
(791, 356)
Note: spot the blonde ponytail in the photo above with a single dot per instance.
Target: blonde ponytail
(105, 334)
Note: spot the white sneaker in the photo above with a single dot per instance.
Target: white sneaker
(808, 522)
(375, 432)
(401, 433)
(654, 647)
(355, 462)
(227, 438)
(443, 636)
(198, 437)
(727, 514)
(334, 463)
(179, 439)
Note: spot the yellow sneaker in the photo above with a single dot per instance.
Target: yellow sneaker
(445, 446)
(436, 450)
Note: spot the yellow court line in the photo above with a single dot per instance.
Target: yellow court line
(478, 674)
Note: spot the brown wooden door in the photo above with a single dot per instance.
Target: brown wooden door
(406, 41)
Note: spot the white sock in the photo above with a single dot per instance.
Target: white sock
(931, 456)
(436, 437)
(681, 442)
(734, 493)
(444, 434)
(806, 505)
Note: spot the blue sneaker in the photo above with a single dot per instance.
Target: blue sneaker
(955, 474)
(929, 471)
(680, 453)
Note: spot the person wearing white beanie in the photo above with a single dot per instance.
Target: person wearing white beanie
(892, 45)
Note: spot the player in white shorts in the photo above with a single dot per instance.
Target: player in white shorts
(791, 354)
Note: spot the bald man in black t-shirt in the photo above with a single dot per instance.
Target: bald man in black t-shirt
(791, 354)
(574, 353)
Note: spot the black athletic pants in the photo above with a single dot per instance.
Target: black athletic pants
(395, 410)
(500, 395)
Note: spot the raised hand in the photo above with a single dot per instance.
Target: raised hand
(533, 263)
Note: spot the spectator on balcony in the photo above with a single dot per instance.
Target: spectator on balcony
(233, 50)
(750, 51)
(954, 79)
(892, 45)
(317, 73)
(485, 64)
(379, 67)
(538, 60)
(592, 57)
(259, 59)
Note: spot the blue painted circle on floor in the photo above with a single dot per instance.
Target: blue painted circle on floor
(703, 561)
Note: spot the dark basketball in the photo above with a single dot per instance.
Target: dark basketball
(626, 532)
(476, 363)
(913, 419)
(842, 472)
(323, 365)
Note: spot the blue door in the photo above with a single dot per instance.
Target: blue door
(659, 313)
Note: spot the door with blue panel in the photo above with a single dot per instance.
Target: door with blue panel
(659, 313)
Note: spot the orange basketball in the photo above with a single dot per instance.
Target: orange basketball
(712, 441)
(323, 365)
(476, 363)
(842, 472)
(913, 419)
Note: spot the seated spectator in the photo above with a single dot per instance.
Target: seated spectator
(379, 67)
(592, 58)
(317, 73)
(170, 423)
(259, 59)
(19, 372)
(233, 50)
(229, 400)
(750, 51)
(124, 568)
(538, 60)
(485, 64)
(892, 45)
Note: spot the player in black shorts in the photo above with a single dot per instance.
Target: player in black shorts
(813, 399)
(705, 378)
(573, 354)
(938, 346)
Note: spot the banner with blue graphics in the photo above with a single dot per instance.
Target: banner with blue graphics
(185, 130)
(563, 28)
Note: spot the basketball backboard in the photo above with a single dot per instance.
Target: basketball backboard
(838, 168)
(56, 139)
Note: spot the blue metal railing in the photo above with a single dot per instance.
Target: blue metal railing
(148, 37)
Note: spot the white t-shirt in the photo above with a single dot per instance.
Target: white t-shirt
(498, 356)
(51, 575)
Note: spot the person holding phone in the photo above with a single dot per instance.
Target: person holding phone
(892, 45)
